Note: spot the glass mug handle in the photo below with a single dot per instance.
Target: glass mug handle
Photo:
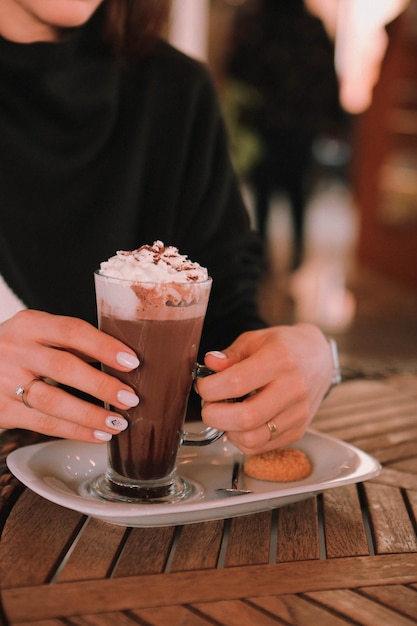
(208, 434)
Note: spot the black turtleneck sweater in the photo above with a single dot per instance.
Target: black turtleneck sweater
(96, 157)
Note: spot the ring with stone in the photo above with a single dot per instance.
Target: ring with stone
(21, 391)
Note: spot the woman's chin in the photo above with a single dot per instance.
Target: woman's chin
(66, 13)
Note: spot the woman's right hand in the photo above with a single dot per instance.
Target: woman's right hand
(34, 345)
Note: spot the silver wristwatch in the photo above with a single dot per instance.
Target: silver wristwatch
(337, 371)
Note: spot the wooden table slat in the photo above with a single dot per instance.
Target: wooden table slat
(249, 540)
(299, 610)
(396, 478)
(49, 601)
(172, 616)
(408, 465)
(402, 432)
(115, 618)
(93, 554)
(381, 410)
(146, 552)
(45, 622)
(363, 610)
(402, 599)
(235, 613)
(412, 501)
(393, 453)
(41, 541)
(362, 424)
(344, 526)
(357, 393)
(392, 527)
(198, 546)
(298, 532)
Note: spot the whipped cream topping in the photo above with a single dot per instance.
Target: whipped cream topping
(156, 263)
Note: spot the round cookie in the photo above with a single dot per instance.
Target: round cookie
(281, 465)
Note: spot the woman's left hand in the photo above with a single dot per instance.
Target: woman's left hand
(284, 371)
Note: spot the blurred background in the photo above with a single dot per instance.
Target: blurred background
(320, 103)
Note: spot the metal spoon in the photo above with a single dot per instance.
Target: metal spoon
(234, 490)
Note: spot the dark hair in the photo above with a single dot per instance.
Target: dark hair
(131, 27)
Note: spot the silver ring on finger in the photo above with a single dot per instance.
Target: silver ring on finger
(22, 392)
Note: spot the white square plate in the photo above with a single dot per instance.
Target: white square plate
(59, 471)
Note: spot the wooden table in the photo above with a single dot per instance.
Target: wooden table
(347, 556)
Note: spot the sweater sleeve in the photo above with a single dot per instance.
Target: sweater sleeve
(215, 226)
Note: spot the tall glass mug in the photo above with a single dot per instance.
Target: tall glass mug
(162, 323)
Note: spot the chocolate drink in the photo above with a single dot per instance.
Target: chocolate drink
(167, 350)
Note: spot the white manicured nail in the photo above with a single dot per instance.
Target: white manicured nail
(217, 354)
(127, 360)
(102, 436)
(128, 398)
(116, 422)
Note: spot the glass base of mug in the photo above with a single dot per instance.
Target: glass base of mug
(115, 488)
